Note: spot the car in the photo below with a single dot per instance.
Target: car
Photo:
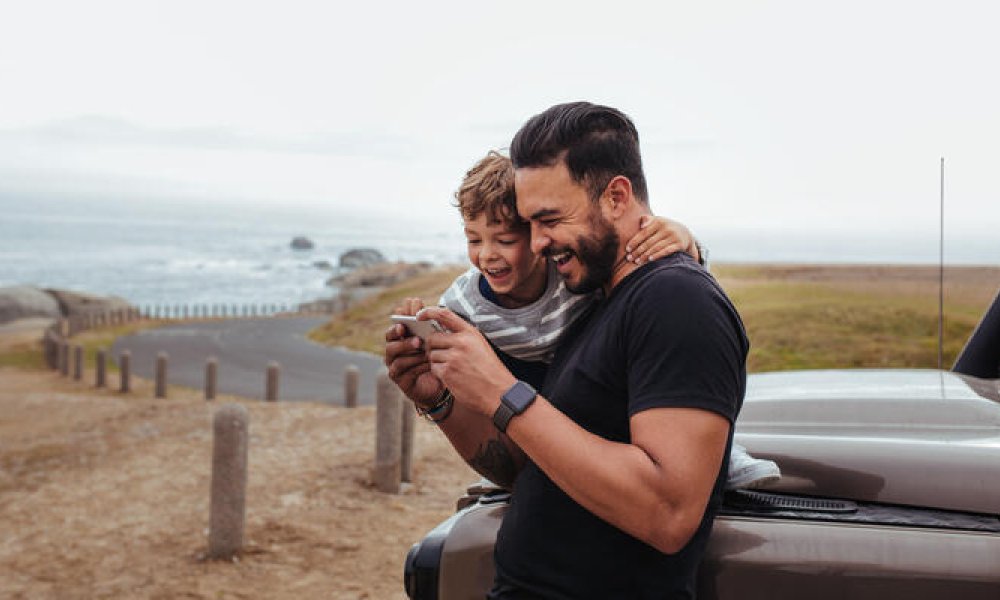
(890, 488)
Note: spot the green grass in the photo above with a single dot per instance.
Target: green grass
(28, 355)
(362, 327)
(855, 318)
(832, 317)
(23, 356)
(814, 326)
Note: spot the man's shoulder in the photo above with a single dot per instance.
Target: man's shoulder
(675, 279)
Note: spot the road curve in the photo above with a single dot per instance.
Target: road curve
(243, 347)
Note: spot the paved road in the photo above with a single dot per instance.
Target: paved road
(243, 347)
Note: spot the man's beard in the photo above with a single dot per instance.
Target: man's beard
(597, 253)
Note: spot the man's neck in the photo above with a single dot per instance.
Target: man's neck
(619, 272)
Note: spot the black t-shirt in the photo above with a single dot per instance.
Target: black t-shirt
(667, 336)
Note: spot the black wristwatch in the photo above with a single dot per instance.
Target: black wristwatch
(514, 402)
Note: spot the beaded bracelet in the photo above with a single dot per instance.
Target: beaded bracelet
(441, 409)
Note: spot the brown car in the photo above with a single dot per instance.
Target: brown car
(890, 488)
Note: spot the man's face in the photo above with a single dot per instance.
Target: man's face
(567, 227)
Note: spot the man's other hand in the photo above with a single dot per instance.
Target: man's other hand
(465, 362)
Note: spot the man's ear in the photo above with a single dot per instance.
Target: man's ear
(617, 197)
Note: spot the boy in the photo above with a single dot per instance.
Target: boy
(520, 304)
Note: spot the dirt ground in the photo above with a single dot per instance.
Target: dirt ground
(104, 495)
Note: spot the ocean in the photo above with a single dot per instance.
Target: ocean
(236, 254)
(201, 255)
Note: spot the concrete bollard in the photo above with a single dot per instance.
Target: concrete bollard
(161, 374)
(64, 359)
(211, 377)
(227, 506)
(125, 371)
(406, 440)
(388, 427)
(271, 388)
(352, 375)
(77, 363)
(100, 368)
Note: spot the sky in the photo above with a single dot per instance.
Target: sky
(788, 119)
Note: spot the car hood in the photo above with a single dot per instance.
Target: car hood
(905, 436)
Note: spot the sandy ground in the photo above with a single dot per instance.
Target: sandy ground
(104, 495)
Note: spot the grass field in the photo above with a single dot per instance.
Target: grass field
(362, 327)
(26, 353)
(797, 316)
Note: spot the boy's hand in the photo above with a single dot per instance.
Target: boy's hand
(409, 306)
(657, 237)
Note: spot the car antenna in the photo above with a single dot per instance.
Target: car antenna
(941, 276)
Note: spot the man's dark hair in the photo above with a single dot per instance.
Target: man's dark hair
(599, 143)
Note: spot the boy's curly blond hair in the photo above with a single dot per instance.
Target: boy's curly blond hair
(488, 187)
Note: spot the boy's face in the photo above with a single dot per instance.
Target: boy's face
(502, 253)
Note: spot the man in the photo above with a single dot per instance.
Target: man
(618, 465)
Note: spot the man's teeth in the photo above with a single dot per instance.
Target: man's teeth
(561, 257)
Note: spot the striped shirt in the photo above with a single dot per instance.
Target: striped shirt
(530, 332)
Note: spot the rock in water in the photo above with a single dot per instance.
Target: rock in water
(302, 243)
(22, 301)
(361, 257)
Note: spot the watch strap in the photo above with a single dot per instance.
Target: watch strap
(502, 416)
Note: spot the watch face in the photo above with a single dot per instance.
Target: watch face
(519, 396)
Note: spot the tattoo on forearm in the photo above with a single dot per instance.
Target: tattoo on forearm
(494, 461)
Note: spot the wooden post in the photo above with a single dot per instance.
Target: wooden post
(351, 376)
(51, 349)
(388, 427)
(64, 358)
(227, 505)
(211, 377)
(77, 363)
(100, 368)
(161, 375)
(125, 371)
(271, 391)
(406, 440)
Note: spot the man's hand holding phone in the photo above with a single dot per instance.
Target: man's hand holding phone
(405, 355)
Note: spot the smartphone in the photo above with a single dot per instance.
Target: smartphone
(421, 329)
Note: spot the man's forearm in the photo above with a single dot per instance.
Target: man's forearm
(489, 452)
